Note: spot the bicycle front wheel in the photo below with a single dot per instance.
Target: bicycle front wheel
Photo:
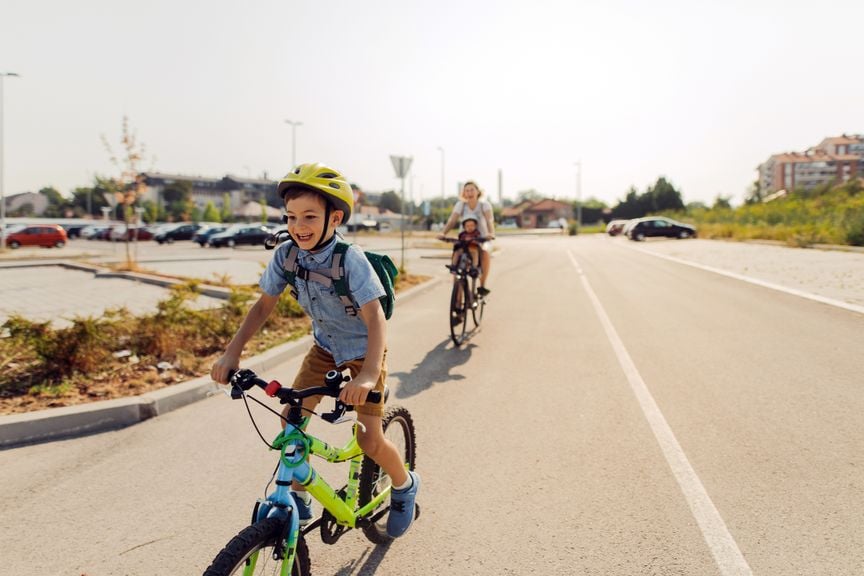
(399, 430)
(458, 311)
(251, 552)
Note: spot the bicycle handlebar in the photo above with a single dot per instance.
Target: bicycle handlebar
(243, 380)
(478, 240)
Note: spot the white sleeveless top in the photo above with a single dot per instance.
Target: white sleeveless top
(480, 212)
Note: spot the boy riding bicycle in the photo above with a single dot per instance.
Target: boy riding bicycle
(317, 199)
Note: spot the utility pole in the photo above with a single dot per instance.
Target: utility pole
(294, 126)
(2, 172)
(578, 164)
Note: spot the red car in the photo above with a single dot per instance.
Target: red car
(47, 235)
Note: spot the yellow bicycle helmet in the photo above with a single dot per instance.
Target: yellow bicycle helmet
(324, 180)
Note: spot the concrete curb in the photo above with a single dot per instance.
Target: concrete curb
(85, 419)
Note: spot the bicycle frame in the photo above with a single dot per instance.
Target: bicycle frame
(296, 446)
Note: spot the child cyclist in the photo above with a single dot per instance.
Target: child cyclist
(468, 238)
(317, 199)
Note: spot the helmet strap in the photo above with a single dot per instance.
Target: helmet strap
(321, 240)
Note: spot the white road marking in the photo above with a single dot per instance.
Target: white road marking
(757, 282)
(726, 553)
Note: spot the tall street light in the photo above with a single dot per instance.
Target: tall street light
(440, 149)
(2, 173)
(578, 164)
(294, 126)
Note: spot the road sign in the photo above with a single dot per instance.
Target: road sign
(401, 164)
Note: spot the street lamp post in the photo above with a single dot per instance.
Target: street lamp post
(578, 164)
(2, 173)
(440, 149)
(294, 126)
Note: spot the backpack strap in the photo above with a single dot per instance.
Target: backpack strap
(333, 276)
(294, 270)
(340, 283)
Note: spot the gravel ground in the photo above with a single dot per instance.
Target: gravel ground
(834, 274)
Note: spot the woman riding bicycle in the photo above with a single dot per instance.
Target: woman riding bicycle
(471, 206)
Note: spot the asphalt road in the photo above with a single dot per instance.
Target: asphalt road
(616, 414)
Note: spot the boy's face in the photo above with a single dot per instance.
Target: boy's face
(306, 220)
(470, 226)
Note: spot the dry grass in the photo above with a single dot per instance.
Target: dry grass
(121, 355)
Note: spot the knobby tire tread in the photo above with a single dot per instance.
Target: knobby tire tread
(258, 535)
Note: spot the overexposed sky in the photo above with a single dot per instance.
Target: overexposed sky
(700, 91)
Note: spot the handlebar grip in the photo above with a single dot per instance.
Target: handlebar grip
(374, 397)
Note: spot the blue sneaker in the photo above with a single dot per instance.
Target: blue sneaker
(402, 508)
(304, 509)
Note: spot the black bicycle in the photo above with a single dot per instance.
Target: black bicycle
(465, 297)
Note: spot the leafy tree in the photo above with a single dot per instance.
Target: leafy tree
(211, 214)
(722, 202)
(226, 212)
(56, 203)
(390, 201)
(755, 194)
(664, 197)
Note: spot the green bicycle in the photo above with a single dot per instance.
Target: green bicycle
(275, 543)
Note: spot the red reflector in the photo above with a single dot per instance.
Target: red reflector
(272, 388)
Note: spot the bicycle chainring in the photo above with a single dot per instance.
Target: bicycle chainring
(331, 531)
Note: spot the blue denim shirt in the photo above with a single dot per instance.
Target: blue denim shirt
(341, 334)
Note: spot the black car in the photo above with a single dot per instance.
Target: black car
(183, 231)
(238, 235)
(652, 226)
(203, 235)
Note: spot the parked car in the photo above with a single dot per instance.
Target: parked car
(615, 227)
(559, 223)
(92, 231)
(182, 231)
(237, 235)
(204, 234)
(45, 235)
(654, 226)
(74, 230)
(122, 233)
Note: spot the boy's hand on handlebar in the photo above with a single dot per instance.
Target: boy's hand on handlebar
(224, 366)
(355, 392)
(442, 237)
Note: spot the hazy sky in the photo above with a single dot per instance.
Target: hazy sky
(700, 91)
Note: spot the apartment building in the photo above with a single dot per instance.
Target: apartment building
(240, 191)
(836, 159)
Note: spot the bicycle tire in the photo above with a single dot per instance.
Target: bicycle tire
(458, 330)
(398, 422)
(258, 538)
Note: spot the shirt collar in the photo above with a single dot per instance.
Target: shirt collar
(323, 254)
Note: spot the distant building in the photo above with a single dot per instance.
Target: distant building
(537, 213)
(26, 204)
(240, 191)
(836, 159)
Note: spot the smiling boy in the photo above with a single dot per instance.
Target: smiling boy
(317, 199)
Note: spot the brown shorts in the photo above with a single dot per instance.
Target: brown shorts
(318, 362)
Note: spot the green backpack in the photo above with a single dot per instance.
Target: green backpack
(335, 276)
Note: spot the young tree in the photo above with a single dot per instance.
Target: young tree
(226, 212)
(211, 214)
(128, 185)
